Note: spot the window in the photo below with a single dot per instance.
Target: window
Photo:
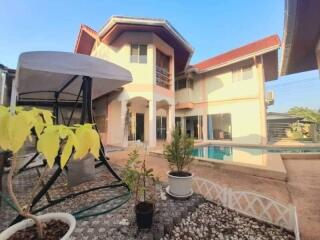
(247, 73)
(244, 73)
(236, 75)
(161, 126)
(219, 126)
(180, 84)
(163, 61)
(138, 53)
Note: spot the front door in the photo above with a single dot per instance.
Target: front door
(140, 127)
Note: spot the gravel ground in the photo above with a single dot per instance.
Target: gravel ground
(210, 221)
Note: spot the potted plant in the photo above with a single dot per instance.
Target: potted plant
(141, 182)
(16, 126)
(179, 155)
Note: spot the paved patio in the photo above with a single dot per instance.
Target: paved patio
(302, 187)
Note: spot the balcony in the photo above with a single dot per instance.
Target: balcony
(183, 98)
(162, 77)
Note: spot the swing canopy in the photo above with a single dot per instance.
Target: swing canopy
(43, 74)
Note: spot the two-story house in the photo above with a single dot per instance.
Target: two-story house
(221, 98)
(153, 51)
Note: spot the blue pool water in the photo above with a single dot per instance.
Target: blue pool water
(227, 152)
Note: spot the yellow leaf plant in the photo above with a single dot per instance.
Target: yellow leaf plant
(16, 127)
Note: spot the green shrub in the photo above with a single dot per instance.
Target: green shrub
(179, 151)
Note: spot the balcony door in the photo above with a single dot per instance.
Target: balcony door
(163, 69)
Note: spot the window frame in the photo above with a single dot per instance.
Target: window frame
(211, 126)
(238, 73)
(138, 57)
(178, 86)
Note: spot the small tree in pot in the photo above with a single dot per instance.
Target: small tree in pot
(179, 155)
(141, 182)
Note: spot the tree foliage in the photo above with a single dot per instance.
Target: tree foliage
(306, 113)
(16, 128)
(138, 177)
(18, 124)
(179, 151)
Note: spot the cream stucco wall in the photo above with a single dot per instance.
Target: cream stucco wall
(143, 84)
(212, 93)
(215, 93)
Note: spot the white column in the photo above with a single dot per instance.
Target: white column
(263, 110)
(205, 126)
(170, 122)
(123, 113)
(152, 123)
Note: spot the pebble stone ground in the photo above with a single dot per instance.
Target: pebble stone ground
(211, 221)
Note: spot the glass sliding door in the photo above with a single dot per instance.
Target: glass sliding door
(194, 126)
(178, 123)
(219, 126)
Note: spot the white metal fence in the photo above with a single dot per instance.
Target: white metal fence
(250, 203)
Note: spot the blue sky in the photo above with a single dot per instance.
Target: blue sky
(211, 27)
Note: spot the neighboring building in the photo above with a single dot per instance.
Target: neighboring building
(221, 98)
(6, 77)
(301, 37)
(284, 126)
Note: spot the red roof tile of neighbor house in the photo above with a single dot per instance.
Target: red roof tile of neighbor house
(261, 45)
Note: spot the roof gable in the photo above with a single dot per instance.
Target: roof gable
(86, 39)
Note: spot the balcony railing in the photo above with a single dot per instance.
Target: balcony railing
(162, 77)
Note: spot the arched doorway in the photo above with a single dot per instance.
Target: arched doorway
(137, 119)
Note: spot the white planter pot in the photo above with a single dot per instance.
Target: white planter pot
(180, 186)
(64, 217)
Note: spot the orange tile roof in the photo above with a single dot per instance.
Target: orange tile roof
(251, 48)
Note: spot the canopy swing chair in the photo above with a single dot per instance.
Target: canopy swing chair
(60, 80)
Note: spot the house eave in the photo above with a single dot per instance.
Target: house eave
(242, 58)
(145, 21)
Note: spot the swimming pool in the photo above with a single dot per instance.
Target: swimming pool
(228, 153)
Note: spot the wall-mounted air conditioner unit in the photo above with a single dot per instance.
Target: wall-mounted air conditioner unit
(270, 98)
